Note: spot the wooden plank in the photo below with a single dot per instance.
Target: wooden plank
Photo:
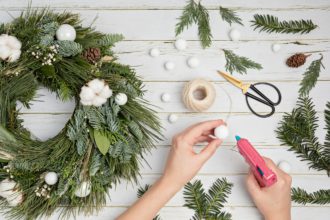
(121, 21)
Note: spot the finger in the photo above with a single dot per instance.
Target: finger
(209, 150)
(204, 138)
(201, 128)
(270, 163)
(252, 184)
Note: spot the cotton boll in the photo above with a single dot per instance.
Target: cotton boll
(98, 101)
(121, 99)
(276, 47)
(15, 198)
(166, 97)
(6, 187)
(4, 52)
(106, 92)
(84, 189)
(86, 94)
(172, 118)
(14, 56)
(86, 102)
(221, 132)
(96, 85)
(13, 43)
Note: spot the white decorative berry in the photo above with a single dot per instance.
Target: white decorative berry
(10, 48)
(169, 65)
(66, 32)
(96, 93)
(84, 189)
(15, 199)
(96, 85)
(193, 62)
(276, 47)
(166, 97)
(6, 187)
(180, 44)
(173, 118)
(51, 178)
(221, 132)
(234, 34)
(285, 166)
(121, 99)
(154, 52)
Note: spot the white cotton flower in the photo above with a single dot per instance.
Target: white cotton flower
(96, 85)
(106, 92)
(15, 199)
(6, 187)
(98, 101)
(13, 43)
(10, 48)
(85, 102)
(4, 52)
(86, 94)
(14, 56)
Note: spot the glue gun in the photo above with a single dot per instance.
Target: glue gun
(265, 176)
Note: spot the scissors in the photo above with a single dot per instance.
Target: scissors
(260, 98)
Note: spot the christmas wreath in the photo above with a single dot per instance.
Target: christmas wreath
(111, 127)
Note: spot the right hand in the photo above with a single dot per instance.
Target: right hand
(273, 202)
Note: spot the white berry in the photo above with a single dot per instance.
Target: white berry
(121, 99)
(234, 34)
(66, 32)
(154, 52)
(193, 62)
(285, 166)
(276, 47)
(173, 118)
(221, 132)
(169, 65)
(180, 44)
(166, 97)
(51, 178)
(84, 189)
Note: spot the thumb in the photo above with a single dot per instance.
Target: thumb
(252, 184)
(209, 150)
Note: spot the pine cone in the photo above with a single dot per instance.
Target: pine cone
(296, 60)
(92, 55)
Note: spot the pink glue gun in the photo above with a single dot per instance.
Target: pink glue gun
(265, 176)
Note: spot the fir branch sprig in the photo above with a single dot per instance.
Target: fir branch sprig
(230, 16)
(270, 24)
(240, 64)
(196, 13)
(310, 76)
(208, 205)
(301, 196)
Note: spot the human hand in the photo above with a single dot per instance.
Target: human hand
(273, 202)
(183, 162)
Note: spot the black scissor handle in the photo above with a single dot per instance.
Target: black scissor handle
(263, 99)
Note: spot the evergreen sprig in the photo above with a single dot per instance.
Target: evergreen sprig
(208, 205)
(230, 16)
(310, 77)
(270, 24)
(301, 196)
(69, 48)
(239, 64)
(196, 13)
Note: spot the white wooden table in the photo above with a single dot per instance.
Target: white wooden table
(150, 23)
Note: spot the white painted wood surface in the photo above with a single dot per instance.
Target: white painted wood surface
(150, 23)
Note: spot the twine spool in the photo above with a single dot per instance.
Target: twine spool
(198, 95)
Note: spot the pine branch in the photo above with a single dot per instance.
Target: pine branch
(68, 48)
(109, 40)
(240, 64)
(230, 16)
(327, 136)
(310, 77)
(301, 196)
(198, 14)
(270, 23)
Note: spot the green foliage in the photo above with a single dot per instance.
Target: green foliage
(240, 64)
(230, 16)
(207, 205)
(198, 14)
(301, 196)
(68, 48)
(310, 77)
(102, 141)
(270, 23)
(109, 40)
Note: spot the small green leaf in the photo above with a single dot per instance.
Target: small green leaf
(102, 141)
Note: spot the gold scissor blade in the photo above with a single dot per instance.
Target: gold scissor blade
(234, 81)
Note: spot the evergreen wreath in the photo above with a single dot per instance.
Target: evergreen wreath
(111, 128)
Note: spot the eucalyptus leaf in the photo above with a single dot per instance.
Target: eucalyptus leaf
(102, 141)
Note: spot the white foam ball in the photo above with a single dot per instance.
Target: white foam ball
(166, 97)
(180, 44)
(66, 32)
(51, 178)
(173, 118)
(285, 166)
(154, 52)
(84, 189)
(169, 65)
(106, 92)
(193, 62)
(121, 99)
(98, 101)
(6, 187)
(221, 132)
(86, 93)
(15, 199)
(276, 47)
(234, 34)
(96, 85)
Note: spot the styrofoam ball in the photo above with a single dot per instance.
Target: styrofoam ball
(221, 132)
(86, 94)
(234, 34)
(169, 65)
(154, 52)
(193, 62)
(15, 199)
(96, 85)
(285, 166)
(84, 189)
(66, 32)
(6, 187)
(98, 101)
(106, 92)
(121, 99)
(51, 178)
(166, 97)
(173, 118)
(276, 47)
(180, 44)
